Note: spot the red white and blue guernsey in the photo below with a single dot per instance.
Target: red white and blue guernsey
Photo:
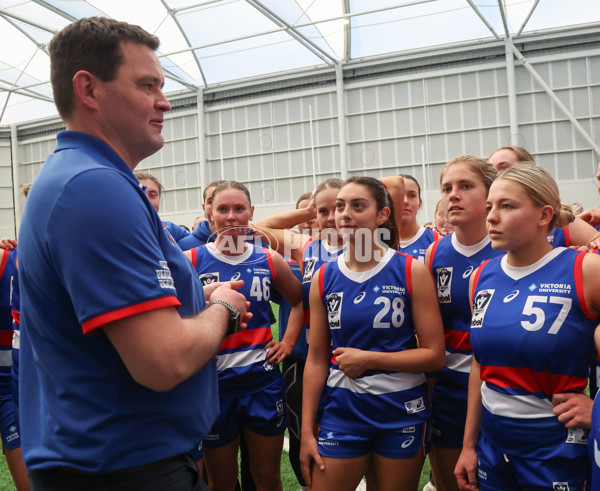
(452, 265)
(300, 350)
(594, 446)
(418, 244)
(560, 237)
(371, 311)
(532, 334)
(93, 250)
(315, 253)
(241, 359)
(16, 338)
(8, 268)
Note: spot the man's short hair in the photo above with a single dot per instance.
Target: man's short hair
(92, 44)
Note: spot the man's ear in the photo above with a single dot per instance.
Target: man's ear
(85, 85)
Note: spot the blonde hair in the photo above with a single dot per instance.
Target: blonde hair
(439, 209)
(477, 165)
(24, 189)
(141, 175)
(331, 183)
(521, 154)
(542, 189)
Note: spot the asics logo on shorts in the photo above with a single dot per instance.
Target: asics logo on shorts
(408, 442)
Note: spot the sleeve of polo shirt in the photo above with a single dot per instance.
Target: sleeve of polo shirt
(103, 239)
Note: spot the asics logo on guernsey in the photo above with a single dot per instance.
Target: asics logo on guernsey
(468, 272)
(236, 276)
(359, 297)
(510, 296)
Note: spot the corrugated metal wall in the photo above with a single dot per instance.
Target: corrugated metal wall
(281, 141)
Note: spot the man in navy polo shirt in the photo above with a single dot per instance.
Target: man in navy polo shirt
(118, 377)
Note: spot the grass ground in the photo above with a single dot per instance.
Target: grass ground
(6, 483)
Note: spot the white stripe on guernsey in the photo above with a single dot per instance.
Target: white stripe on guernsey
(417, 236)
(383, 383)
(240, 359)
(517, 273)
(5, 358)
(16, 342)
(471, 250)
(459, 362)
(522, 407)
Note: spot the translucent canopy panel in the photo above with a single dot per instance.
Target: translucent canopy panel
(205, 43)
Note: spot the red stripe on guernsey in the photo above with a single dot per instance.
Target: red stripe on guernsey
(567, 237)
(194, 257)
(407, 271)
(532, 381)
(433, 248)
(476, 278)
(302, 255)
(270, 261)
(458, 340)
(579, 284)
(16, 315)
(6, 338)
(248, 337)
(4, 261)
(307, 316)
(115, 315)
(321, 274)
(436, 236)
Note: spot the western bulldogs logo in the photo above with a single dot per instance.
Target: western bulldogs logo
(480, 304)
(334, 308)
(309, 269)
(560, 486)
(444, 284)
(208, 278)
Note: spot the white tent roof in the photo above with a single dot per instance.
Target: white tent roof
(209, 43)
